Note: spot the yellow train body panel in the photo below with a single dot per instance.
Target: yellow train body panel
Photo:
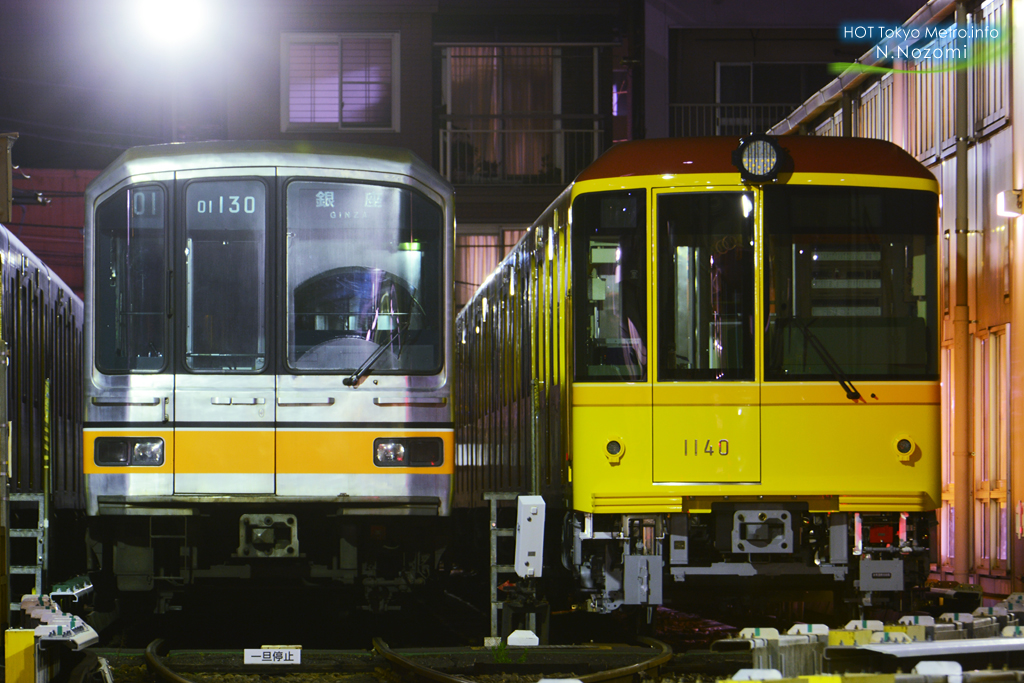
(805, 440)
(216, 451)
(858, 456)
(593, 470)
(331, 451)
(855, 459)
(266, 452)
(707, 434)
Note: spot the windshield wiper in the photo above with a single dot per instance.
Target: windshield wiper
(399, 336)
(367, 365)
(829, 360)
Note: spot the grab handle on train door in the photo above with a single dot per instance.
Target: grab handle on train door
(248, 401)
(237, 401)
(170, 293)
(123, 401)
(329, 401)
(411, 401)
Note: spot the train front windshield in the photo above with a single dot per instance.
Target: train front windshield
(364, 269)
(850, 283)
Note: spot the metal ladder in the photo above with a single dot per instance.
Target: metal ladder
(39, 532)
(498, 570)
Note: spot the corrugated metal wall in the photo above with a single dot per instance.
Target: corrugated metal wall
(54, 231)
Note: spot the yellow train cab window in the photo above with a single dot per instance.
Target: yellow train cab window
(609, 249)
(851, 281)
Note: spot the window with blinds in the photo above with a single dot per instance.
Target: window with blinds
(339, 81)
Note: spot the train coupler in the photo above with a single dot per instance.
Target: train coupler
(265, 535)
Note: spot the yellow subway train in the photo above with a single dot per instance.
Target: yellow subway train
(719, 359)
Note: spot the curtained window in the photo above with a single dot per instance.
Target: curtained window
(339, 81)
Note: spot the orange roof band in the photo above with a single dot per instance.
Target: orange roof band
(807, 154)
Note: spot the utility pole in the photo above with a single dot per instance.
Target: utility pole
(963, 487)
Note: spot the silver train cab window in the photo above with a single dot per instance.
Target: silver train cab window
(363, 270)
(131, 260)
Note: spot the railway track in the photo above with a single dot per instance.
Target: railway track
(588, 663)
(613, 663)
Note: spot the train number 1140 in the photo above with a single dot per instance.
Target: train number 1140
(709, 447)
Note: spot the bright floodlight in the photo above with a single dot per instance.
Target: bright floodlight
(171, 22)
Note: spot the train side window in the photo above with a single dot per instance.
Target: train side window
(130, 296)
(364, 279)
(225, 273)
(851, 281)
(609, 250)
(706, 286)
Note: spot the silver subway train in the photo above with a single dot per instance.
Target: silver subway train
(268, 345)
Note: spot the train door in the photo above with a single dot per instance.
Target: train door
(224, 393)
(705, 398)
(611, 391)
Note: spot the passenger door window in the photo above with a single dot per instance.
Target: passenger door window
(706, 286)
(225, 262)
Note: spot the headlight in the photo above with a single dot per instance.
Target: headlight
(408, 452)
(759, 159)
(390, 453)
(111, 451)
(148, 452)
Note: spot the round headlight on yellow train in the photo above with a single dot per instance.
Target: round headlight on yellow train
(759, 159)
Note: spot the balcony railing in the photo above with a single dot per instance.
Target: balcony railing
(517, 149)
(689, 120)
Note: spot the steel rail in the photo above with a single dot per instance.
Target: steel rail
(406, 664)
(155, 664)
(662, 655)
